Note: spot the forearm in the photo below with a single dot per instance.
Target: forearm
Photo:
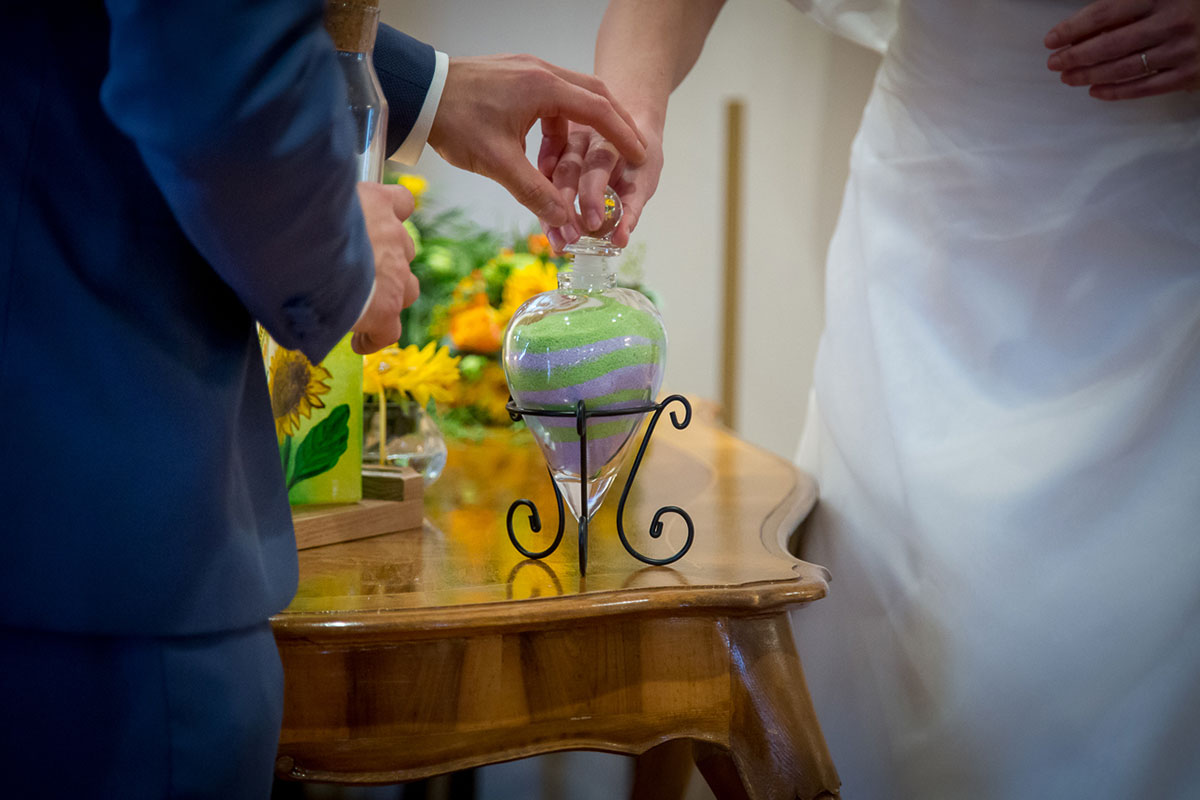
(645, 48)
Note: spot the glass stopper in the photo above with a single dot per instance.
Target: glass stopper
(599, 241)
(612, 214)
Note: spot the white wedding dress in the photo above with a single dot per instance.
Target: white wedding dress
(1006, 426)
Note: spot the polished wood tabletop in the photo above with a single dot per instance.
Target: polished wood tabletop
(441, 648)
(461, 568)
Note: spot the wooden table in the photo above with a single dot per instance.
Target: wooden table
(421, 652)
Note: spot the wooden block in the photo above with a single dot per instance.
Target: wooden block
(319, 525)
(381, 482)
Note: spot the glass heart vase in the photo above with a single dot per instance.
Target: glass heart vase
(589, 341)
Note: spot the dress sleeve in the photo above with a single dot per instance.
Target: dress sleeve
(871, 23)
(238, 110)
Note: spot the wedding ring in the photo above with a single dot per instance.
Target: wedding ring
(1146, 65)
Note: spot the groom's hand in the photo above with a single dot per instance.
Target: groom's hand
(384, 209)
(489, 105)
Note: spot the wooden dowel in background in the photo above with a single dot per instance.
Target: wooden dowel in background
(731, 299)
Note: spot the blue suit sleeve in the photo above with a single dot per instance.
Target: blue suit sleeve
(238, 109)
(405, 67)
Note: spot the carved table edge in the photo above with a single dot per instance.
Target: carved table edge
(287, 768)
(751, 599)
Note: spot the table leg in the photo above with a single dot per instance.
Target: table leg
(662, 773)
(776, 750)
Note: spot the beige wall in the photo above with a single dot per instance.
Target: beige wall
(803, 90)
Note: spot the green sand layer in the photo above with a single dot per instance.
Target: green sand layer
(587, 325)
(608, 319)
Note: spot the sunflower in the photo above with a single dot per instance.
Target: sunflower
(295, 385)
(428, 372)
(379, 370)
(422, 373)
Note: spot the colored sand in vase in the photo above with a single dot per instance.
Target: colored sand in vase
(607, 349)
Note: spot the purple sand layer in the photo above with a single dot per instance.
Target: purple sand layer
(636, 376)
(564, 456)
(569, 422)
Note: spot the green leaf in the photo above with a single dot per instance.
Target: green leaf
(285, 454)
(323, 446)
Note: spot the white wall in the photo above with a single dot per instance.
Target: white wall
(803, 90)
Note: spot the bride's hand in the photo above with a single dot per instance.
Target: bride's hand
(1124, 49)
(580, 162)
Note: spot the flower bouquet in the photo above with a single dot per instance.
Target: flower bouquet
(472, 281)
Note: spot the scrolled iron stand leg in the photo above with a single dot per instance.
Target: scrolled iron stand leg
(581, 415)
(656, 526)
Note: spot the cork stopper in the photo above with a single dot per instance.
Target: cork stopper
(352, 24)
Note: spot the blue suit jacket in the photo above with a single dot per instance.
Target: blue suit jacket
(169, 172)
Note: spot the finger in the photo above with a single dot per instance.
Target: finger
(570, 164)
(366, 342)
(589, 108)
(631, 211)
(412, 290)
(1099, 16)
(403, 203)
(555, 236)
(566, 180)
(591, 196)
(554, 141)
(548, 155)
(601, 163)
(562, 235)
(624, 230)
(596, 86)
(1107, 47)
(531, 188)
(406, 241)
(1158, 83)
(1121, 69)
(1177, 58)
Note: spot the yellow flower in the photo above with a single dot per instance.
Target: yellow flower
(488, 393)
(295, 385)
(476, 328)
(423, 373)
(379, 369)
(526, 282)
(415, 184)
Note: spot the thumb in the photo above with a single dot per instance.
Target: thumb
(366, 342)
(531, 189)
(402, 200)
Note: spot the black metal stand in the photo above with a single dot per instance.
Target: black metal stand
(582, 415)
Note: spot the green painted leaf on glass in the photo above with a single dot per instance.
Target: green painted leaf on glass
(285, 455)
(323, 446)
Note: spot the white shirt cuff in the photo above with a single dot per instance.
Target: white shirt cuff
(367, 304)
(414, 143)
